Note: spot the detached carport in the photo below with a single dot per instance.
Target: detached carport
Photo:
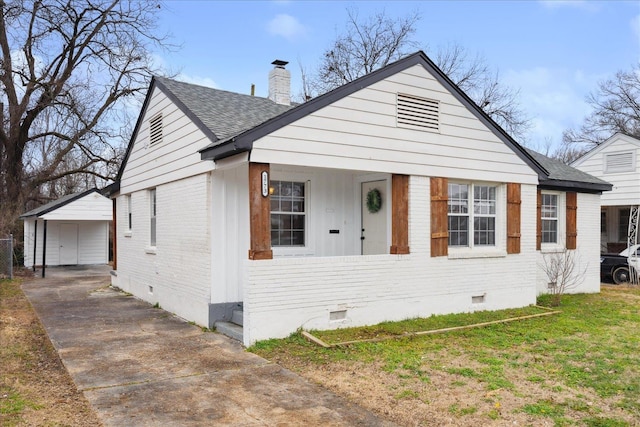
(73, 230)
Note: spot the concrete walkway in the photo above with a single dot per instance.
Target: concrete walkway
(141, 366)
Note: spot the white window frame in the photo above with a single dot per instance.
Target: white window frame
(153, 217)
(561, 223)
(308, 248)
(129, 213)
(499, 249)
(128, 232)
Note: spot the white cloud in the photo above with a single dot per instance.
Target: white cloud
(554, 99)
(576, 4)
(286, 26)
(197, 80)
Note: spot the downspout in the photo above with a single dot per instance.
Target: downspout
(35, 244)
(44, 248)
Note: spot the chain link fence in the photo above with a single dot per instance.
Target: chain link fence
(6, 258)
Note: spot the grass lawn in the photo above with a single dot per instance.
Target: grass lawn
(579, 367)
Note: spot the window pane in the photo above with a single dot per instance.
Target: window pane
(484, 233)
(458, 231)
(458, 198)
(287, 213)
(549, 231)
(623, 225)
(484, 200)
(549, 206)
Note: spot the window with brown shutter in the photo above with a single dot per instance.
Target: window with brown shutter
(539, 222)
(439, 221)
(513, 218)
(572, 216)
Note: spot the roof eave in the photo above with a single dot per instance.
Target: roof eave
(582, 187)
(245, 139)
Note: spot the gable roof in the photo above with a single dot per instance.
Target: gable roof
(244, 141)
(223, 114)
(56, 204)
(234, 121)
(611, 140)
(219, 114)
(564, 177)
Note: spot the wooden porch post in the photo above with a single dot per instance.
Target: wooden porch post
(259, 211)
(399, 214)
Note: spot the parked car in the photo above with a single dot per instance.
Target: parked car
(616, 267)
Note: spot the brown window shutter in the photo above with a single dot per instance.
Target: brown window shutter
(572, 216)
(400, 214)
(539, 222)
(513, 218)
(439, 221)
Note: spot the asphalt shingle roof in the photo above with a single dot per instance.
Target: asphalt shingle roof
(559, 171)
(226, 114)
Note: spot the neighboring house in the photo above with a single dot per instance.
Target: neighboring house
(72, 230)
(393, 196)
(616, 161)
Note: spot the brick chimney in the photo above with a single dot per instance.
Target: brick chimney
(280, 83)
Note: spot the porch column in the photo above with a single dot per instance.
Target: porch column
(259, 211)
(399, 214)
(35, 242)
(44, 248)
(114, 235)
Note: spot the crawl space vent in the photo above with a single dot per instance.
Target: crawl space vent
(155, 129)
(477, 299)
(418, 113)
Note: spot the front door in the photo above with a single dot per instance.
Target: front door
(68, 244)
(374, 218)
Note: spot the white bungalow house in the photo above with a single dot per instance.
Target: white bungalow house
(73, 230)
(616, 161)
(391, 197)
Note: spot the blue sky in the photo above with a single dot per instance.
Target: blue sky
(554, 52)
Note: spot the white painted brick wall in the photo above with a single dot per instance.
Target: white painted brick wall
(284, 294)
(587, 253)
(180, 269)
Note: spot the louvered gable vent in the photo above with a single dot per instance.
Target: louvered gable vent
(416, 112)
(155, 129)
(619, 162)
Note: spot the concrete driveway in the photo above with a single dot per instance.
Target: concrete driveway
(141, 366)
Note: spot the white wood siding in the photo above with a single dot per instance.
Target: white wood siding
(179, 267)
(626, 185)
(175, 158)
(359, 132)
(230, 232)
(93, 242)
(92, 207)
(284, 294)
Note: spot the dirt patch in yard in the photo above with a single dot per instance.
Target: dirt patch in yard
(35, 388)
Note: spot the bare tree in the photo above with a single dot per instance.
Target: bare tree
(365, 46)
(476, 79)
(564, 273)
(369, 44)
(616, 108)
(69, 71)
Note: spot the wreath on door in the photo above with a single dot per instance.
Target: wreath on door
(374, 200)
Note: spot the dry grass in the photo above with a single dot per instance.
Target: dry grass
(35, 388)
